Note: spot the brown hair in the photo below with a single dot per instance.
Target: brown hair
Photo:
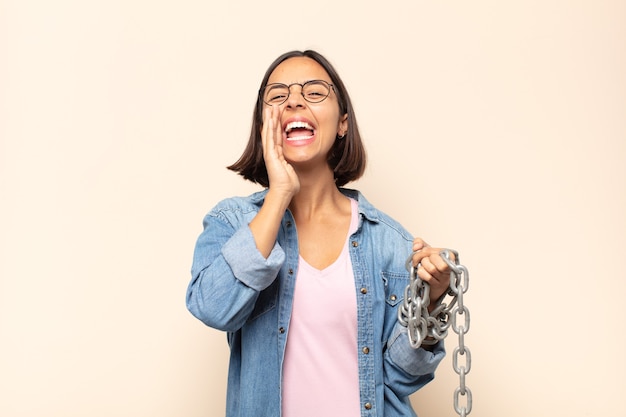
(346, 158)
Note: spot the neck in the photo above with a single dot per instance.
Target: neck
(316, 196)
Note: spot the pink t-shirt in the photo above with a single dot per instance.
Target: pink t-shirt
(320, 371)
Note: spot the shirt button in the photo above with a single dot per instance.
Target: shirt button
(366, 350)
(393, 297)
(290, 271)
(288, 223)
(281, 330)
(363, 290)
(355, 243)
(368, 406)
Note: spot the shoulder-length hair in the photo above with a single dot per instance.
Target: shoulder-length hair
(347, 157)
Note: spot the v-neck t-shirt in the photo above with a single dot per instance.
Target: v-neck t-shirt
(320, 370)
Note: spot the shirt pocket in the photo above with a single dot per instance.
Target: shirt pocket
(395, 283)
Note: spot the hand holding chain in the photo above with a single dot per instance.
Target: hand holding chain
(426, 328)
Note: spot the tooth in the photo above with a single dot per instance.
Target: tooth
(296, 125)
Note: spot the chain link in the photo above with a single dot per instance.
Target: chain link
(426, 328)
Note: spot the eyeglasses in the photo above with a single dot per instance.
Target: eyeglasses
(313, 91)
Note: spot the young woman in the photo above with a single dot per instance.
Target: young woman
(306, 276)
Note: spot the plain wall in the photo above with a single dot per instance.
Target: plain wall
(493, 127)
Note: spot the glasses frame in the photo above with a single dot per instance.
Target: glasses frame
(262, 91)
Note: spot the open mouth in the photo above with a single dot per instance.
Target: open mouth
(299, 131)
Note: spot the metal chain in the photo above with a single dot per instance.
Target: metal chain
(426, 328)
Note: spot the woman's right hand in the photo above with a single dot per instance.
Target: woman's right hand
(282, 177)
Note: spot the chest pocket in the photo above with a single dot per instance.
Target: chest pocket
(395, 283)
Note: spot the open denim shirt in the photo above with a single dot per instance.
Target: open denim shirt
(235, 289)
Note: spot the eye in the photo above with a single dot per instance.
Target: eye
(316, 90)
(276, 94)
(314, 93)
(277, 97)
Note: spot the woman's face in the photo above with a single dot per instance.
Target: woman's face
(308, 129)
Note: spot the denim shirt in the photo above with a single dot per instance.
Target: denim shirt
(237, 290)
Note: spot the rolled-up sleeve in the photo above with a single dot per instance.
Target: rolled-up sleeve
(246, 262)
(228, 273)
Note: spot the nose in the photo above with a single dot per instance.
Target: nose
(295, 99)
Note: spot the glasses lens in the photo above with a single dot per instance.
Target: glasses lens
(275, 93)
(315, 91)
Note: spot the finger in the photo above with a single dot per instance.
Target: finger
(428, 265)
(278, 132)
(422, 253)
(265, 133)
(424, 275)
(419, 244)
(439, 263)
(429, 272)
(439, 282)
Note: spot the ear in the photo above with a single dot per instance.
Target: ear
(343, 125)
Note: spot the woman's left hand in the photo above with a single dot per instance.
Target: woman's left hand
(432, 268)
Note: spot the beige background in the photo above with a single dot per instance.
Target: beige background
(493, 127)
